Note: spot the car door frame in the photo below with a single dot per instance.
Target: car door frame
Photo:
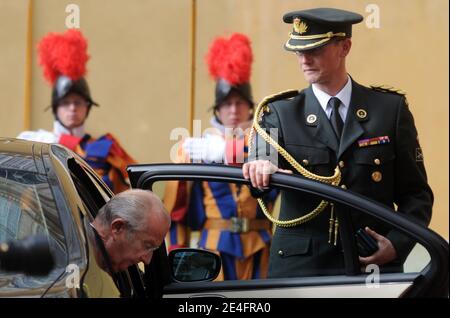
(431, 281)
(88, 188)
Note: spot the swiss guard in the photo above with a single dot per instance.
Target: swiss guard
(228, 217)
(63, 58)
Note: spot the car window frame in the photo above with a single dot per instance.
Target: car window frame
(131, 284)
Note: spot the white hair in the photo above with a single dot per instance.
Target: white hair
(133, 206)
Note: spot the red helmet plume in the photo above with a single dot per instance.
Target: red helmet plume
(230, 59)
(63, 54)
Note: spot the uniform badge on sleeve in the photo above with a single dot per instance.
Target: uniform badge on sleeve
(373, 141)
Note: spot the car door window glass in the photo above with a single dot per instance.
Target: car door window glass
(102, 188)
(86, 188)
(27, 208)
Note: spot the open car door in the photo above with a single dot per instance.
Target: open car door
(426, 274)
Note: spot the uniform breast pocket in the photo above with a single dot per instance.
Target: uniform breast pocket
(315, 159)
(375, 165)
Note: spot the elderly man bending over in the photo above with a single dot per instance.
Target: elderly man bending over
(128, 228)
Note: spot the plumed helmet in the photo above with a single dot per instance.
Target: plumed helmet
(63, 58)
(229, 63)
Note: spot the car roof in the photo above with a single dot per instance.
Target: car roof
(19, 150)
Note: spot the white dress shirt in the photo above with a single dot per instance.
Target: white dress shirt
(344, 96)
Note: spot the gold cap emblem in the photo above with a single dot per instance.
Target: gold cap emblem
(377, 176)
(300, 26)
(311, 119)
(361, 113)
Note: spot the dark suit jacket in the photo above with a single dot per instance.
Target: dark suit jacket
(304, 250)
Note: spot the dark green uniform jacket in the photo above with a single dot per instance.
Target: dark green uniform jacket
(304, 249)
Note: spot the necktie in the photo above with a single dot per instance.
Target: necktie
(335, 118)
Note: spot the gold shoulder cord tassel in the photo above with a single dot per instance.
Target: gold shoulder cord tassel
(334, 223)
(331, 222)
(336, 230)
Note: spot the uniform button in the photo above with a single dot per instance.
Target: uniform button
(377, 176)
(280, 252)
(341, 164)
(305, 162)
(377, 161)
(343, 186)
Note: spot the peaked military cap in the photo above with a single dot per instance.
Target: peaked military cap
(314, 28)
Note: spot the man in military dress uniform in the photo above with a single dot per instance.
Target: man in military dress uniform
(369, 133)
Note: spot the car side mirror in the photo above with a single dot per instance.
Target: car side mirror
(194, 265)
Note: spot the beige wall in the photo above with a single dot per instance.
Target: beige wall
(13, 17)
(140, 66)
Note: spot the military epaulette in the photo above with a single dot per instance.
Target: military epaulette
(282, 95)
(387, 89)
(279, 96)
